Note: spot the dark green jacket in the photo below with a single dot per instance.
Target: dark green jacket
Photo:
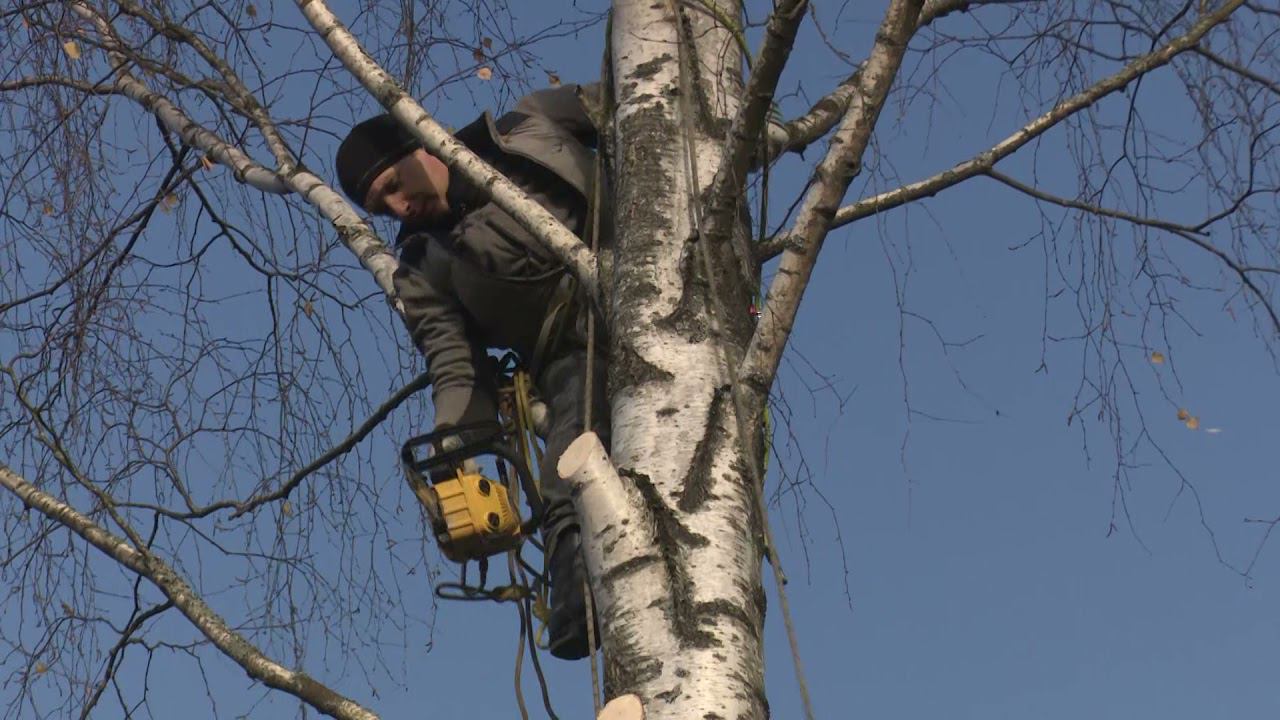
(478, 280)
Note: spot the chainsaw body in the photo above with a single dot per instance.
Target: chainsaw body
(472, 516)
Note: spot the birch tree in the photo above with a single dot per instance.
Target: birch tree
(144, 429)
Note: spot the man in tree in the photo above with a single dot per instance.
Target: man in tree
(472, 279)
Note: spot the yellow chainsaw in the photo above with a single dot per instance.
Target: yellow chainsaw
(472, 516)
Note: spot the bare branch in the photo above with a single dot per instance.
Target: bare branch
(725, 190)
(832, 178)
(1238, 69)
(1092, 208)
(45, 80)
(566, 246)
(192, 133)
(188, 602)
(980, 163)
(418, 383)
(799, 133)
(354, 232)
(1191, 233)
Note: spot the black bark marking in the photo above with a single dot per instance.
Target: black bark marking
(669, 696)
(672, 539)
(690, 317)
(649, 68)
(695, 490)
(629, 369)
(644, 223)
(710, 612)
(626, 568)
(627, 666)
(761, 699)
(707, 121)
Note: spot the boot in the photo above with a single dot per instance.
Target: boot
(567, 628)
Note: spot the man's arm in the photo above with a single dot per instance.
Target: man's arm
(461, 389)
(564, 106)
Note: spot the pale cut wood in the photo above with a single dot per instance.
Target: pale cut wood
(623, 707)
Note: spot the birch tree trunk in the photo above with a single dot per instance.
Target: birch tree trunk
(673, 538)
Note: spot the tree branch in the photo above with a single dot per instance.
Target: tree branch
(1191, 233)
(831, 180)
(1091, 209)
(188, 602)
(614, 516)
(566, 246)
(36, 81)
(236, 91)
(1238, 69)
(979, 164)
(246, 170)
(352, 229)
(725, 191)
(797, 134)
(982, 162)
(418, 383)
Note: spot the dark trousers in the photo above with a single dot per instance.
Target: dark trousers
(561, 383)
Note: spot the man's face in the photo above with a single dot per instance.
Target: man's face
(412, 190)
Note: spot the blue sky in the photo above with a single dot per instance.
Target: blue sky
(978, 575)
(960, 562)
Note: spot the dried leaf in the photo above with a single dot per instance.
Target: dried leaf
(478, 54)
(553, 79)
(286, 508)
(308, 308)
(72, 49)
(48, 208)
(169, 202)
(1157, 357)
(205, 162)
(484, 73)
(41, 668)
(251, 11)
(1193, 423)
(486, 42)
(1183, 414)
(68, 610)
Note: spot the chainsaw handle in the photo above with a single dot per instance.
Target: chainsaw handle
(485, 434)
(488, 439)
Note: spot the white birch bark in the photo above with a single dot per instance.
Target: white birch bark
(681, 612)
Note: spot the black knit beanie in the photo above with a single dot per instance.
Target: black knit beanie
(371, 147)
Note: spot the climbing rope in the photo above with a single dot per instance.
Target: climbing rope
(719, 323)
(588, 386)
(529, 598)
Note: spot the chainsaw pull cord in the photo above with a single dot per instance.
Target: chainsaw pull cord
(719, 325)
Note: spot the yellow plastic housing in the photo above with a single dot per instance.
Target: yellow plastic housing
(476, 516)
